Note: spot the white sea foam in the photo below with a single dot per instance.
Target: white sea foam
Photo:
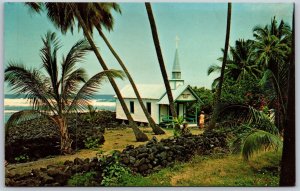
(10, 111)
(99, 104)
(20, 102)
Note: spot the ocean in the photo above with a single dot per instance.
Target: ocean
(14, 103)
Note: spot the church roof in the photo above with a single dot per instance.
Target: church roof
(176, 93)
(147, 91)
(176, 66)
(155, 91)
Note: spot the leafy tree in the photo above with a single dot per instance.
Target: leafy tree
(206, 97)
(53, 96)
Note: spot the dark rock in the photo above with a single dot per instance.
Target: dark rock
(132, 160)
(151, 157)
(78, 161)
(45, 179)
(69, 163)
(142, 155)
(163, 155)
(143, 167)
(125, 160)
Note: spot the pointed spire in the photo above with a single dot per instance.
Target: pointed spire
(176, 72)
(176, 65)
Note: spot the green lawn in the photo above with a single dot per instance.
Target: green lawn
(230, 170)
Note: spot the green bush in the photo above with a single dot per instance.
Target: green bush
(114, 171)
(22, 158)
(91, 143)
(83, 179)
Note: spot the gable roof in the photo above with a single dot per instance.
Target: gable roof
(156, 91)
(147, 91)
(176, 93)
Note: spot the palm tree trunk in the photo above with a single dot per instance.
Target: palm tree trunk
(139, 135)
(156, 129)
(288, 167)
(65, 140)
(161, 60)
(219, 90)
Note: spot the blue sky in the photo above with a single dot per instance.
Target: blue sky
(200, 26)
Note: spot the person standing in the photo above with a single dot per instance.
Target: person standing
(201, 120)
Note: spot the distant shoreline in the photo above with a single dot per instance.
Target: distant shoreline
(14, 103)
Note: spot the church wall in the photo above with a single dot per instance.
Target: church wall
(138, 114)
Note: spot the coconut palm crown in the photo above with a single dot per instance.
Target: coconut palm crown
(55, 94)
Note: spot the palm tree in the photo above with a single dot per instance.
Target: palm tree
(161, 60)
(288, 164)
(53, 96)
(239, 63)
(92, 18)
(219, 89)
(242, 64)
(63, 16)
(271, 47)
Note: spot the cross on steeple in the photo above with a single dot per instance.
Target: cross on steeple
(177, 41)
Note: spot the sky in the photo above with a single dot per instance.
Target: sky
(201, 28)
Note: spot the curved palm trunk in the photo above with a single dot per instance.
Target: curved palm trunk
(139, 135)
(219, 90)
(65, 140)
(161, 60)
(288, 164)
(156, 129)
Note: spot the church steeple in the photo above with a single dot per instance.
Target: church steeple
(176, 71)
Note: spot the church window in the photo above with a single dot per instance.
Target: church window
(131, 107)
(149, 107)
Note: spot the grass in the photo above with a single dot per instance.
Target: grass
(116, 139)
(230, 170)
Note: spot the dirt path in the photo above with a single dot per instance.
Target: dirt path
(114, 140)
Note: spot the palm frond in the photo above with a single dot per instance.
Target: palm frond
(61, 15)
(259, 140)
(71, 84)
(86, 92)
(34, 6)
(31, 83)
(213, 68)
(215, 83)
(76, 54)
(49, 58)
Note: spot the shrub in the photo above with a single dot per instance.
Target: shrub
(91, 143)
(22, 158)
(83, 179)
(114, 171)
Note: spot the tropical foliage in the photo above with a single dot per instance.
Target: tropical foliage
(256, 75)
(55, 93)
